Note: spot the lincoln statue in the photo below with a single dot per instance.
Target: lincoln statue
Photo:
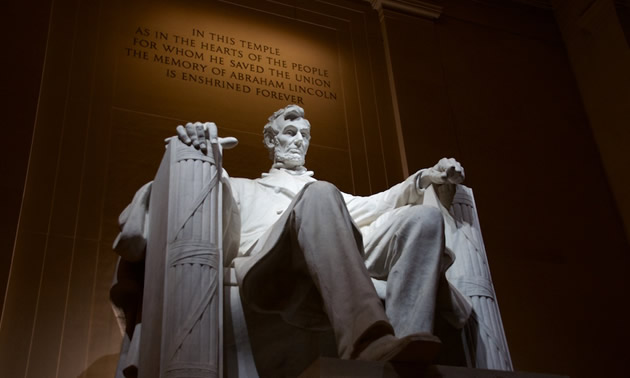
(306, 251)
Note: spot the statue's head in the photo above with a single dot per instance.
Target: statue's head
(287, 136)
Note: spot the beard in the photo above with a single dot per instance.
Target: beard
(288, 160)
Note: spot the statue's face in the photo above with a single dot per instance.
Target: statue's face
(291, 142)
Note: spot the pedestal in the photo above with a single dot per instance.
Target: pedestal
(331, 367)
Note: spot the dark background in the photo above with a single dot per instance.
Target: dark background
(527, 98)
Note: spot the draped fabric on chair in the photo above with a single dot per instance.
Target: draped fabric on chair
(484, 339)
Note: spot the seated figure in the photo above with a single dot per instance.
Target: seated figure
(306, 251)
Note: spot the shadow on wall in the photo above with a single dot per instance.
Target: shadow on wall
(104, 367)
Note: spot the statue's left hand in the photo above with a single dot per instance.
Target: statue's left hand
(446, 171)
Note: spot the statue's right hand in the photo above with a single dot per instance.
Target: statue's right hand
(197, 134)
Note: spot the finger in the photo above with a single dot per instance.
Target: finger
(211, 129)
(192, 134)
(450, 171)
(458, 172)
(201, 137)
(181, 134)
(457, 177)
(442, 165)
(455, 163)
(438, 177)
(461, 176)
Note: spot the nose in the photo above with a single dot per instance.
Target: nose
(298, 139)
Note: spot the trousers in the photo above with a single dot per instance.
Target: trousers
(316, 268)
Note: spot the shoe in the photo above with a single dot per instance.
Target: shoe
(419, 347)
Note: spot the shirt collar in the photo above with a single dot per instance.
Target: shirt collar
(292, 172)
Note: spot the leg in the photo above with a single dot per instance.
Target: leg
(316, 249)
(407, 248)
(332, 249)
(324, 236)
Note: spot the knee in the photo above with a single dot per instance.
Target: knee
(427, 218)
(319, 190)
(420, 238)
(319, 196)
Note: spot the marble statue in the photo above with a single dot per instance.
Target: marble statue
(308, 252)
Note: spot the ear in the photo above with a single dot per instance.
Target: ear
(270, 142)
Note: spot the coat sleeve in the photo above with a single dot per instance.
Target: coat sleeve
(364, 210)
(131, 242)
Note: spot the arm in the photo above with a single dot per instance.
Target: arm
(364, 210)
(443, 175)
(131, 242)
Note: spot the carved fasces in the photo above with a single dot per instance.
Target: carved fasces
(184, 253)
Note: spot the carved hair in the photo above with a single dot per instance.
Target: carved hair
(269, 132)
